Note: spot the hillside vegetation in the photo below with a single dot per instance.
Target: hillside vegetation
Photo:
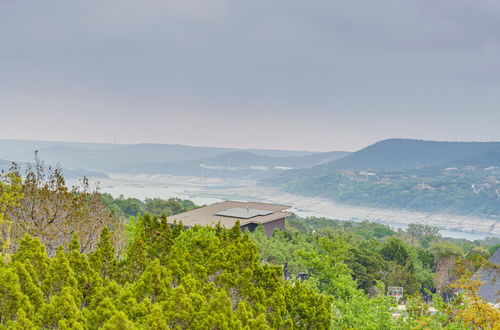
(404, 154)
(448, 177)
(72, 259)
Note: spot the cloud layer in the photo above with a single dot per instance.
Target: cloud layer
(317, 75)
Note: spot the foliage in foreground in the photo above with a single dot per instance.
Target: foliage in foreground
(340, 256)
(203, 278)
(170, 278)
(418, 259)
(39, 203)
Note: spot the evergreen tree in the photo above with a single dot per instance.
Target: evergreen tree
(103, 259)
(60, 275)
(62, 312)
(118, 321)
(33, 251)
(29, 287)
(22, 322)
(88, 279)
(207, 277)
(12, 298)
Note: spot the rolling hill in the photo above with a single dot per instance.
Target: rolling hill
(406, 154)
(429, 176)
(94, 156)
(242, 159)
(231, 164)
(171, 159)
(69, 173)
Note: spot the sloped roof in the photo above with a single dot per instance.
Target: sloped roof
(211, 214)
(490, 288)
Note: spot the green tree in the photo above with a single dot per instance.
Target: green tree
(103, 259)
(10, 197)
(422, 233)
(52, 211)
(118, 321)
(307, 309)
(28, 283)
(22, 322)
(88, 279)
(395, 249)
(11, 296)
(61, 312)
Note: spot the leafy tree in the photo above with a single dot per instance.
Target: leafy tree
(168, 207)
(422, 233)
(395, 250)
(87, 277)
(367, 265)
(130, 207)
(477, 313)
(10, 196)
(31, 251)
(306, 310)
(53, 212)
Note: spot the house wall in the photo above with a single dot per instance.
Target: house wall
(272, 225)
(268, 226)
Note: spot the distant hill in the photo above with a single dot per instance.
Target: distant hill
(403, 154)
(17, 149)
(449, 177)
(94, 156)
(69, 173)
(241, 158)
(231, 164)
(487, 159)
(99, 159)
(406, 154)
(150, 158)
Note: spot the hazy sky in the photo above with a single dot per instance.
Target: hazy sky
(315, 75)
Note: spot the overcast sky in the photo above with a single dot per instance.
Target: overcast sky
(308, 75)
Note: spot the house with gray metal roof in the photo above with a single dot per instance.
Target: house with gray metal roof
(227, 213)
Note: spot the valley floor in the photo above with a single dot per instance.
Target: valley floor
(210, 190)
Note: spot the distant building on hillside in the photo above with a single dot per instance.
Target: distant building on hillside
(250, 215)
(490, 289)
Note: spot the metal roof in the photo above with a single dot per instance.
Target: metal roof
(243, 213)
(228, 212)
